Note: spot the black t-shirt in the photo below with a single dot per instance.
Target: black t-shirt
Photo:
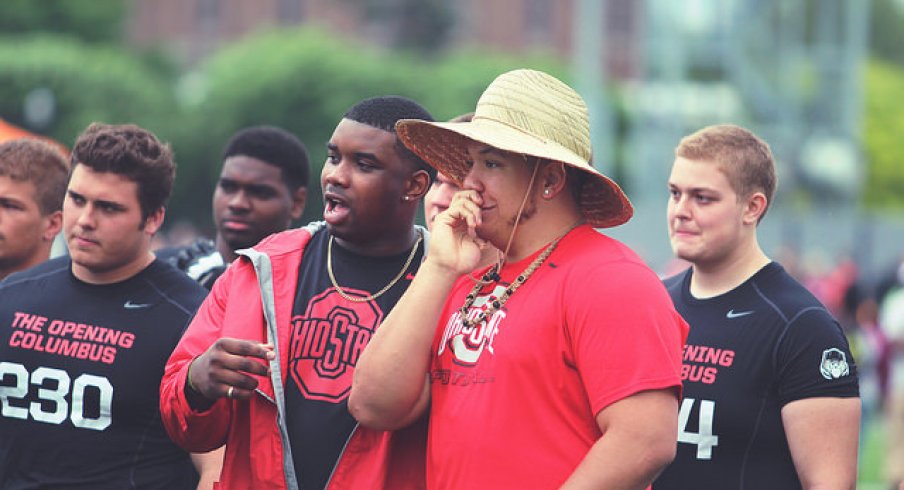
(328, 335)
(80, 369)
(749, 352)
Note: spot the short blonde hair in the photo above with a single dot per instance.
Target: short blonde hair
(745, 158)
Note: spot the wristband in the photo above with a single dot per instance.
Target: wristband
(191, 385)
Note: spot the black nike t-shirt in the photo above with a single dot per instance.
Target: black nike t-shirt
(749, 352)
(80, 369)
(328, 333)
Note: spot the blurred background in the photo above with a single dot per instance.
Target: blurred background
(820, 80)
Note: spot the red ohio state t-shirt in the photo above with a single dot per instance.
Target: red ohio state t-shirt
(514, 399)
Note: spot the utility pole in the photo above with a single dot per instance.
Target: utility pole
(589, 63)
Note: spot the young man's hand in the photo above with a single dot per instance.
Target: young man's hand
(223, 371)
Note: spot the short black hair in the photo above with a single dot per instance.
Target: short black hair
(274, 146)
(384, 112)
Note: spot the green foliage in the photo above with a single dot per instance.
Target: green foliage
(303, 81)
(454, 83)
(90, 20)
(88, 83)
(872, 454)
(299, 80)
(884, 127)
(887, 30)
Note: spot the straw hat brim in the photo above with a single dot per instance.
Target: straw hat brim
(444, 147)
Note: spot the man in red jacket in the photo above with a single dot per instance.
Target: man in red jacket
(266, 365)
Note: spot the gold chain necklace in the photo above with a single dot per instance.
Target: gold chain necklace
(362, 299)
(492, 275)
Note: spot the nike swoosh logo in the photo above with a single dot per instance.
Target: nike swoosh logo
(737, 314)
(409, 277)
(134, 306)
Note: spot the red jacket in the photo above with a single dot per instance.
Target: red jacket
(255, 456)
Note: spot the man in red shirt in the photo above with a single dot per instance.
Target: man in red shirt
(559, 367)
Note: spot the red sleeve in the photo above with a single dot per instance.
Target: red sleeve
(625, 333)
(192, 430)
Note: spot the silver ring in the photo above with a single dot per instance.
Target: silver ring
(230, 391)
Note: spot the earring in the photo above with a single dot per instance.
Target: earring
(546, 192)
(407, 198)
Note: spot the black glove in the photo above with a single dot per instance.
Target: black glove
(200, 261)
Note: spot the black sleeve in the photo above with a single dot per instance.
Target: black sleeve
(813, 359)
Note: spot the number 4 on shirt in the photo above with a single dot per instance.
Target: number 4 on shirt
(704, 439)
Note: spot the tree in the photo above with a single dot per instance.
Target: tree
(884, 127)
(79, 84)
(301, 80)
(89, 20)
(887, 30)
(304, 80)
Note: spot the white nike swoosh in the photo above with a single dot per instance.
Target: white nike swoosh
(134, 306)
(737, 314)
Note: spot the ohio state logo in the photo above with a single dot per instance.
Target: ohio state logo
(327, 342)
(468, 343)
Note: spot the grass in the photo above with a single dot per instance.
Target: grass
(871, 458)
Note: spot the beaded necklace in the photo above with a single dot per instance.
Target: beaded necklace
(492, 275)
(362, 299)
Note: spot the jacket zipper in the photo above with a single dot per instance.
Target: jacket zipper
(341, 453)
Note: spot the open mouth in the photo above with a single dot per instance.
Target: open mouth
(335, 208)
(333, 204)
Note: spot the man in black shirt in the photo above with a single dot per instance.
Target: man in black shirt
(770, 388)
(261, 191)
(85, 336)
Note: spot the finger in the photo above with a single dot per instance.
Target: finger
(236, 393)
(468, 194)
(225, 378)
(466, 211)
(472, 212)
(246, 348)
(238, 363)
(239, 355)
(472, 201)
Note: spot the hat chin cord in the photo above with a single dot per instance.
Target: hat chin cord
(494, 277)
(503, 254)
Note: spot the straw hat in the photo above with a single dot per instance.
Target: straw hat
(527, 112)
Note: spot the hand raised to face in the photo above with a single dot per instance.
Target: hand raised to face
(454, 243)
